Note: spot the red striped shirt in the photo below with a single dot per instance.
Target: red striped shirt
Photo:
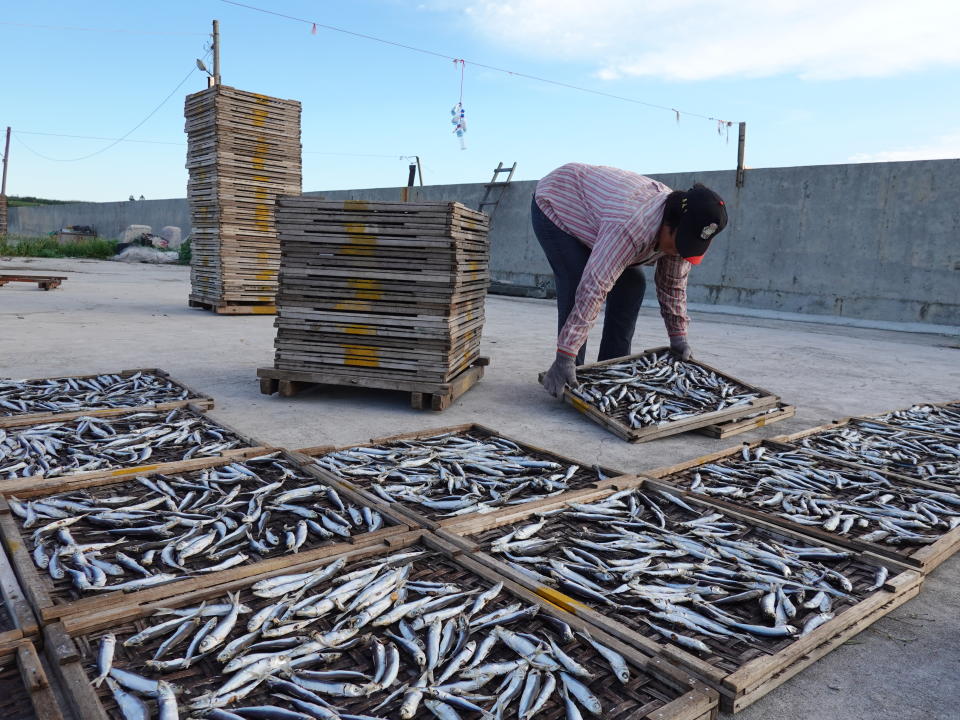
(616, 213)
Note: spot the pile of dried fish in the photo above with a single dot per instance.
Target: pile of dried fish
(658, 388)
(697, 578)
(172, 525)
(371, 642)
(455, 473)
(939, 419)
(861, 504)
(90, 443)
(902, 451)
(70, 394)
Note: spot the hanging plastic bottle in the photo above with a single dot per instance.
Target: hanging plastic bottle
(459, 121)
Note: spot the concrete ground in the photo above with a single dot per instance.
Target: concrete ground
(110, 316)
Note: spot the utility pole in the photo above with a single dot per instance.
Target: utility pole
(216, 52)
(3, 186)
(740, 149)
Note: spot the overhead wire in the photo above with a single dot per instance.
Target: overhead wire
(125, 135)
(181, 144)
(494, 68)
(123, 31)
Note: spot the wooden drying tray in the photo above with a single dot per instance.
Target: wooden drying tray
(195, 398)
(434, 520)
(739, 683)
(24, 485)
(47, 598)
(923, 557)
(652, 432)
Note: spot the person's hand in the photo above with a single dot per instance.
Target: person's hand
(562, 372)
(680, 348)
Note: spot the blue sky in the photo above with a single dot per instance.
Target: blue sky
(817, 83)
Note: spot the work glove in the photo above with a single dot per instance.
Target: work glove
(562, 372)
(679, 347)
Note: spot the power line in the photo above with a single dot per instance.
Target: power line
(96, 137)
(105, 30)
(526, 76)
(124, 136)
(395, 156)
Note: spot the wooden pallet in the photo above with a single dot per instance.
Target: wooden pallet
(57, 600)
(423, 395)
(761, 419)
(586, 486)
(657, 691)
(741, 677)
(195, 398)
(25, 690)
(236, 308)
(899, 469)
(622, 430)
(44, 282)
(923, 558)
(24, 485)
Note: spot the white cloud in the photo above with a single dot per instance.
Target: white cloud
(699, 39)
(946, 146)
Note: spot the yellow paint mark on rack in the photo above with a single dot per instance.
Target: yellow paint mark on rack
(359, 205)
(262, 217)
(560, 600)
(131, 470)
(361, 242)
(361, 356)
(365, 289)
(577, 403)
(357, 329)
(353, 306)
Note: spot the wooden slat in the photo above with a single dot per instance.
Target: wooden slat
(751, 422)
(27, 694)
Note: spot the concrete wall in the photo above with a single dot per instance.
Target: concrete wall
(109, 219)
(875, 241)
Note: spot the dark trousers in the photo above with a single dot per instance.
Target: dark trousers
(568, 257)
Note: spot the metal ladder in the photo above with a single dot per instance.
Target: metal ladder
(493, 185)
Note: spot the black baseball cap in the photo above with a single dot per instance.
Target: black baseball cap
(703, 214)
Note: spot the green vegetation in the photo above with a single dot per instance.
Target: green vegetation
(185, 253)
(29, 200)
(48, 247)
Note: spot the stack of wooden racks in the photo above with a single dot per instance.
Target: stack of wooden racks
(243, 151)
(380, 294)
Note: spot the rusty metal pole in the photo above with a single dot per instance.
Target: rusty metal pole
(216, 52)
(3, 186)
(740, 149)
